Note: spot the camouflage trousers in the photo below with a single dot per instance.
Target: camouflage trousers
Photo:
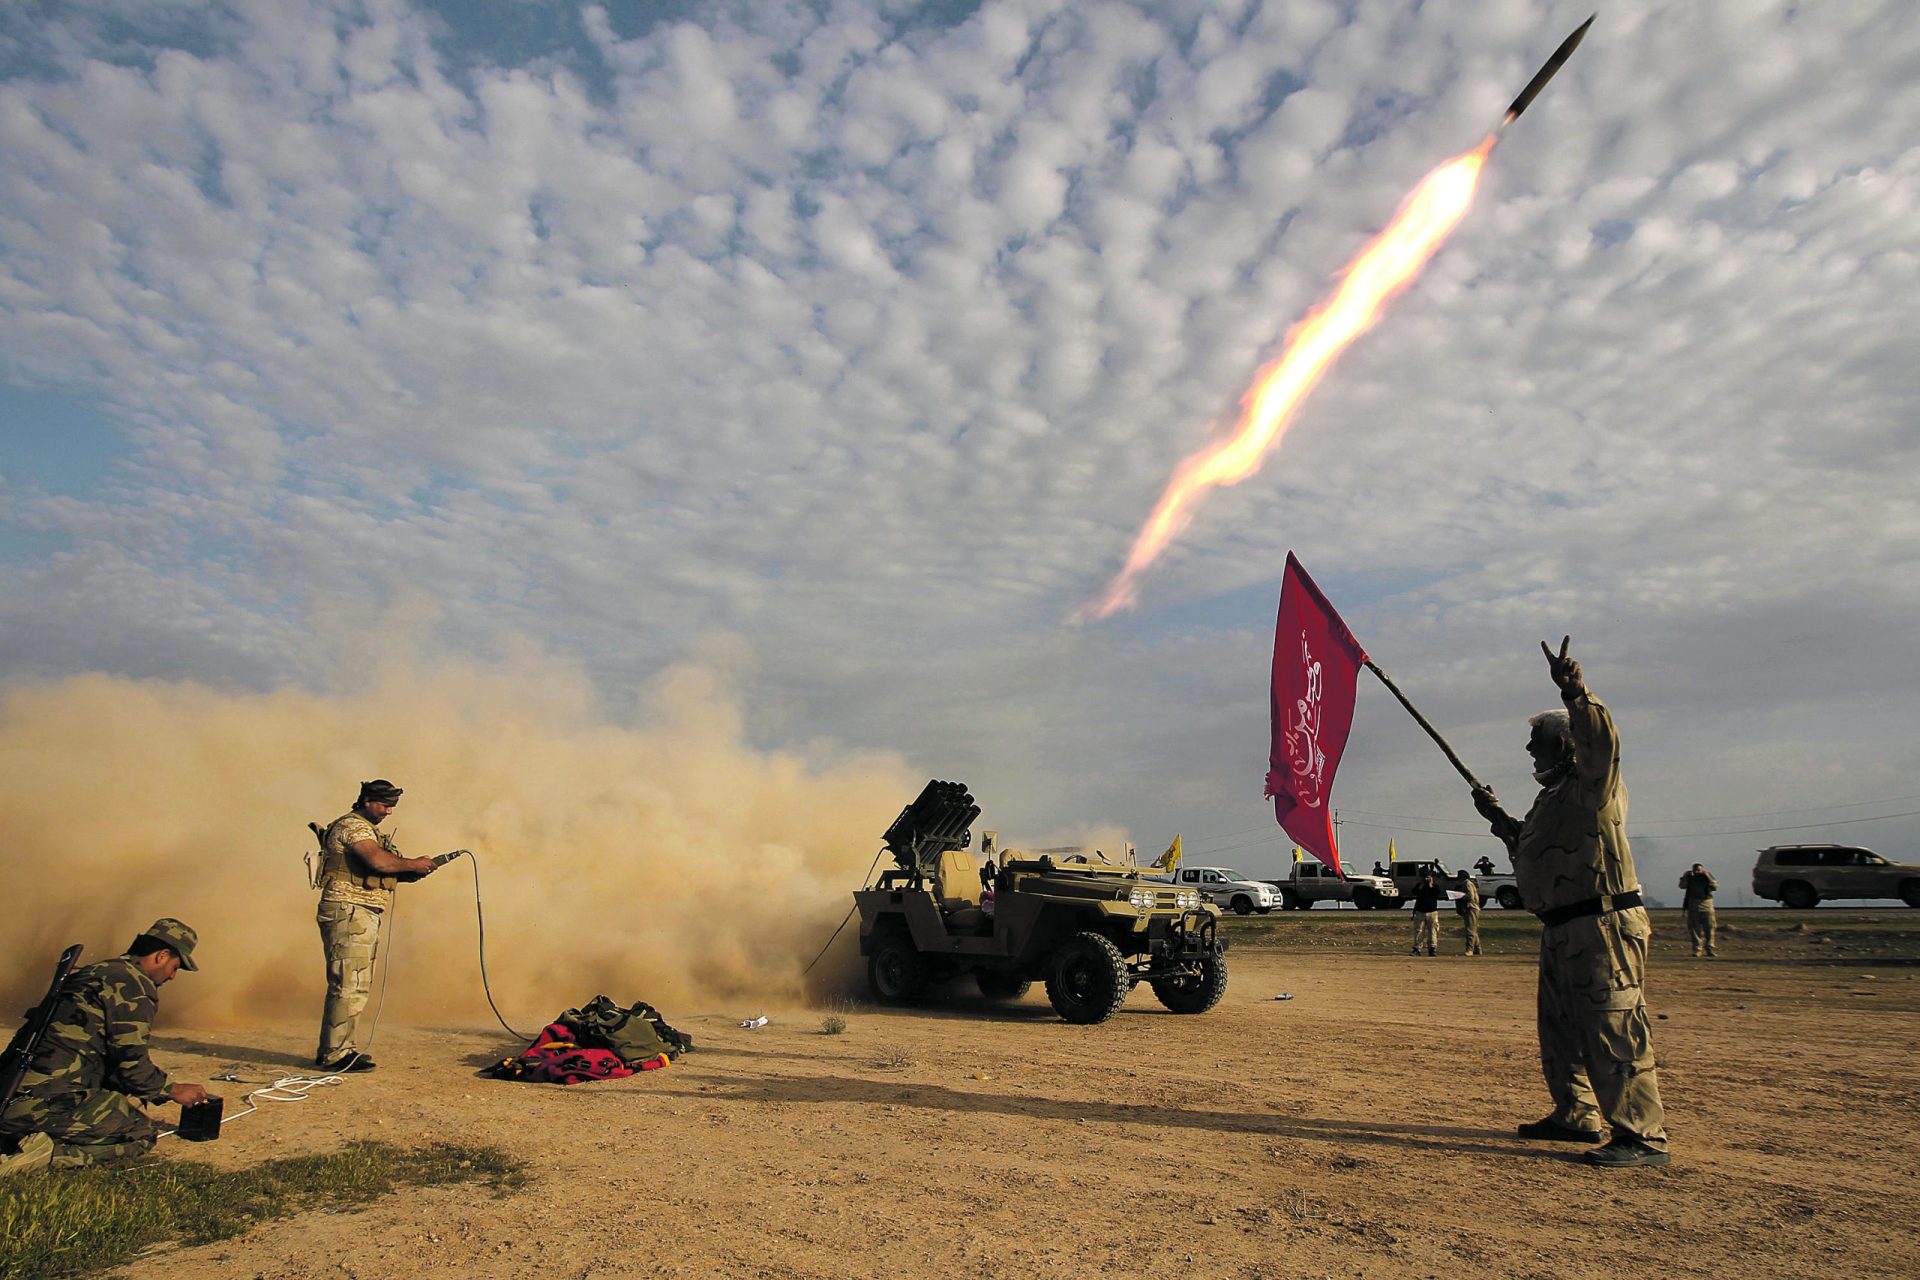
(1426, 932)
(350, 935)
(1596, 1045)
(103, 1126)
(1470, 926)
(1700, 927)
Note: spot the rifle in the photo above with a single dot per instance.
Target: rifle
(20, 1054)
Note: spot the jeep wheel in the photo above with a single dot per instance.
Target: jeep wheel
(1001, 986)
(1910, 892)
(895, 974)
(1194, 993)
(1242, 905)
(1087, 979)
(1508, 897)
(1798, 894)
(1290, 899)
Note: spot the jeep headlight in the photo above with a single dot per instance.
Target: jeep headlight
(1187, 899)
(1142, 898)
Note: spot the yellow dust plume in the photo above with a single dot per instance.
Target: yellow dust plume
(664, 859)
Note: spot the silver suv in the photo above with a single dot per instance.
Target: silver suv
(1800, 875)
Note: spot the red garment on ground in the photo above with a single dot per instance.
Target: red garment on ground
(554, 1058)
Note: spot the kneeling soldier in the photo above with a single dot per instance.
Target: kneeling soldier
(79, 1101)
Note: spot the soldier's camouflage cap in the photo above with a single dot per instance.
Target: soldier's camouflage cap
(179, 936)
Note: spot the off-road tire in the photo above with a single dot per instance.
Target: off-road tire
(895, 972)
(1242, 905)
(1508, 897)
(1910, 892)
(1197, 993)
(1087, 979)
(1799, 895)
(1001, 986)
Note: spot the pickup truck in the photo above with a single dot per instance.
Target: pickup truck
(1495, 886)
(1225, 887)
(1311, 882)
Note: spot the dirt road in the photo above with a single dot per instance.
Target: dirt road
(1361, 1128)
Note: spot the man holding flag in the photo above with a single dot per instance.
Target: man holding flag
(1571, 862)
(1575, 871)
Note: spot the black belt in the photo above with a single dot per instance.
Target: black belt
(1591, 907)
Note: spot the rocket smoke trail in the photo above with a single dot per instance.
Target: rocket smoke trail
(1379, 273)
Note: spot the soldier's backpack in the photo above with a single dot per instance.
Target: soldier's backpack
(635, 1033)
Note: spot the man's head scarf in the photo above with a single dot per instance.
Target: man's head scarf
(380, 791)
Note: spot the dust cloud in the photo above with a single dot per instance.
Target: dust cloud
(664, 859)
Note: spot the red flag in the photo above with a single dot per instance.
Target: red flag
(1316, 666)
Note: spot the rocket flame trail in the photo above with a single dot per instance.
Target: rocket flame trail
(1370, 281)
(1375, 277)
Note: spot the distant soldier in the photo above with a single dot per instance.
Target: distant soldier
(1484, 866)
(1468, 905)
(79, 1102)
(1699, 885)
(1575, 871)
(1426, 915)
(358, 871)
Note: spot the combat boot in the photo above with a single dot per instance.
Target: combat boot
(1626, 1152)
(1551, 1130)
(34, 1155)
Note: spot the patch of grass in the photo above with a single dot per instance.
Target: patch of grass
(894, 1058)
(833, 1024)
(91, 1220)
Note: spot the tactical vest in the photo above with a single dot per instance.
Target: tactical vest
(338, 862)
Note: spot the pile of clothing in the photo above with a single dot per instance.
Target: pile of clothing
(600, 1040)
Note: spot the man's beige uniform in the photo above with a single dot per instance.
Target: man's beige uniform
(1468, 905)
(1570, 859)
(1698, 887)
(351, 904)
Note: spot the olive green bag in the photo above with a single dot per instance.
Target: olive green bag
(636, 1033)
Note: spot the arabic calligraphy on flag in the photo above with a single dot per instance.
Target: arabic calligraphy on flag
(1316, 671)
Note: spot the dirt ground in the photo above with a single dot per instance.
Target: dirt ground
(1361, 1128)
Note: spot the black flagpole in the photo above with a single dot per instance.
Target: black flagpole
(1421, 720)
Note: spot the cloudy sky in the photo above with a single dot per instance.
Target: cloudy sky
(851, 342)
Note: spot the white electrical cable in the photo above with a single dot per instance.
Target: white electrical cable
(285, 1089)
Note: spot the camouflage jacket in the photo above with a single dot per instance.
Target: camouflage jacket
(1572, 845)
(98, 1036)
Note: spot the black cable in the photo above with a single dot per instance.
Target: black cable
(843, 923)
(479, 914)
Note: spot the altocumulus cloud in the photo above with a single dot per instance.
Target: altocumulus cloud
(869, 331)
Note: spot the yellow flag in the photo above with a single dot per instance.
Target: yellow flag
(1171, 858)
(1390, 858)
(1296, 854)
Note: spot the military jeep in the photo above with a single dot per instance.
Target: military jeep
(1089, 929)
